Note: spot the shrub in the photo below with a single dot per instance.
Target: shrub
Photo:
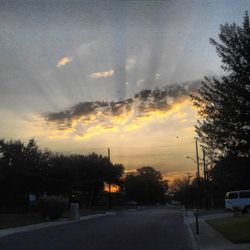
(52, 206)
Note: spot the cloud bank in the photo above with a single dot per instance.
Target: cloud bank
(86, 119)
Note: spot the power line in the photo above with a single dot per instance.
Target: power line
(128, 147)
(150, 155)
(153, 146)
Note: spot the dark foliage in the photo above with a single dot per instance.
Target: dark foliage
(224, 104)
(186, 191)
(146, 186)
(52, 207)
(224, 107)
(229, 173)
(26, 169)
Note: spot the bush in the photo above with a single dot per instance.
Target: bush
(52, 207)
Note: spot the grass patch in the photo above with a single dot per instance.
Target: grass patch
(9, 220)
(236, 229)
(16, 220)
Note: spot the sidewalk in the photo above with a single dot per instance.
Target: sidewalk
(8, 231)
(208, 237)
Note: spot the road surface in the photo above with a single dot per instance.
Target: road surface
(148, 229)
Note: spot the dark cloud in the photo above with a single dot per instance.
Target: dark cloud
(142, 103)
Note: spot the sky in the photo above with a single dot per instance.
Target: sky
(82, 76)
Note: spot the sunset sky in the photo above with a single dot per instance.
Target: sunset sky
(74, 75)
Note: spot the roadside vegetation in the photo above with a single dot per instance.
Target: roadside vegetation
(37, 185)
(223, 127)
(146, 186)
(236, 229)
(19, 219)
(26, 170)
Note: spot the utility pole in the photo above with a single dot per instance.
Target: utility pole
(187, 193)
(205, 178)
(198, 172)
(109, 192)
(109, 154)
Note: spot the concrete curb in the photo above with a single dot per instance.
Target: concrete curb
(8, 231)
(193, 239)
(209, 235)
(188, 221)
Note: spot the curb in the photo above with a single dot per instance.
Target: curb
(8, 231)
(193, 239)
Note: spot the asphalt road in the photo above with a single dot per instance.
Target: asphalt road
(149, 229)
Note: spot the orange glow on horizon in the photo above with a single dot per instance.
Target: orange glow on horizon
(113, 188)
(135, 141)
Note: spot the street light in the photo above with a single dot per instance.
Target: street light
(192, 159)
(188, 157)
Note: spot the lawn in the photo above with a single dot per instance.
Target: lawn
(236, 229)
(8, 220)
(15, 220)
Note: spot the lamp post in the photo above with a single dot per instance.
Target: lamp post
(197, 172)
(188, 157)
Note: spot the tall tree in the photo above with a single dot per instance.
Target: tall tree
(186, 190)
(224, 104)
(146, 186)
(26, 169)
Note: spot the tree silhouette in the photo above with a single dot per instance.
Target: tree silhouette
(224, 104)
(146, 186)
(26, 169)
(19, 167)
(224, 107)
